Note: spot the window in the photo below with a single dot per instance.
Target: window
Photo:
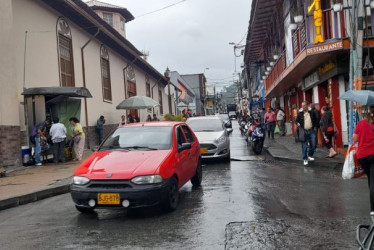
(131, 87)
(188, 134)
(160, 100)
(148, 89)
(147, 86)
(65, 53)
(122, 24)
(180, 137)
(108, 18)
(105, 74)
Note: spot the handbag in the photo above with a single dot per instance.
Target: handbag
(330, 129)
(352, 168)
(300, 135)
(77, 139)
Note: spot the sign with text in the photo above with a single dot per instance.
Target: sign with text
(324, 48)
(311, 80)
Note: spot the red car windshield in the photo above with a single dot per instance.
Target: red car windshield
(139, 138)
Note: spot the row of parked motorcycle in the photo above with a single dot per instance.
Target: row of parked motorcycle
(253, 132)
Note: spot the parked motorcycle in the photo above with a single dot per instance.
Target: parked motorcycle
(256, 137)
(243, 127)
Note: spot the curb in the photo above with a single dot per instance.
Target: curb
(330, 165)
(34, 196)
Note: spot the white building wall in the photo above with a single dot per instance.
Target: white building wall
(9, 101)
(42, 67)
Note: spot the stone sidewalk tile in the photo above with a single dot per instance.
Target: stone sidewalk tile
(34, 183)
(286, 149)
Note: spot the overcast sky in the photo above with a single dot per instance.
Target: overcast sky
(190, 36)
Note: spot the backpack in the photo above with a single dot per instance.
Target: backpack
(34, 133)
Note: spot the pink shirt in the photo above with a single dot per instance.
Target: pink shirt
(270, 117)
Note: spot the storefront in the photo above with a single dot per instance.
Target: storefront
(49, 102)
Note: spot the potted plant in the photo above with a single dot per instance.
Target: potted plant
(276, 53)
(298, 12)
(292, 26)
(337, 5)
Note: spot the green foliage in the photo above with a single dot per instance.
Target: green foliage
(175, 118)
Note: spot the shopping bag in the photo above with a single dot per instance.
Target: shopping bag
(352, 168)
(300, 135)
(276, 131)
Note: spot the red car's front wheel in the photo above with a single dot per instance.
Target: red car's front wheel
(172, 196)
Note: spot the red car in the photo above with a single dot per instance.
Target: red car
(139, 165)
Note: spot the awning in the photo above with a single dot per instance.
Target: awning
(64, 91)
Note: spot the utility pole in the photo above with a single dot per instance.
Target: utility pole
(355, 69)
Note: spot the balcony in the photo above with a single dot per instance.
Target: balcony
(307, 55)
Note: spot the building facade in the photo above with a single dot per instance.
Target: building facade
(299, 50)
(184, 95)
(68, 46)
(210, 102)
(197, 83)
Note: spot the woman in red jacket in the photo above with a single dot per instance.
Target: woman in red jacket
(364, 135)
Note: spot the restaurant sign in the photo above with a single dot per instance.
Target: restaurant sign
(324, 48)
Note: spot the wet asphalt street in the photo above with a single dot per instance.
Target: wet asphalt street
(255, 204)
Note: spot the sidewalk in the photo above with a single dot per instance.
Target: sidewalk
(286, 149)
(29, 184)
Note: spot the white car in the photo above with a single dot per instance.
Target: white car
(212, 135)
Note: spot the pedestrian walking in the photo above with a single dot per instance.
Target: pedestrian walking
(78, 137)
(100, 129)
(39, 138)
(281, 121)
(306, 120)
(364, 135)
(58, 135)
(155, 119)
(269, 120)
(318, 118)
(328, 129)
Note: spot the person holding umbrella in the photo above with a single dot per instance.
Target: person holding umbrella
(364, 136)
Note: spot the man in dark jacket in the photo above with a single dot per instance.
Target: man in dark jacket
(306, 119)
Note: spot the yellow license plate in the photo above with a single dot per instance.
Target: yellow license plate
(108, 199)
(203, 151)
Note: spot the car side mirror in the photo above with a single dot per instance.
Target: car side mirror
(96, 148)
(184, 146)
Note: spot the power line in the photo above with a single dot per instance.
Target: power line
(166, 7)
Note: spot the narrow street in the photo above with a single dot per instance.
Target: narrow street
(257, 204)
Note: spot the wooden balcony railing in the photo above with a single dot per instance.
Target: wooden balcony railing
(299, 40)
(278, 68)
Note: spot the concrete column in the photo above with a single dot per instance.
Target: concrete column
(343, 112)
(315, 96)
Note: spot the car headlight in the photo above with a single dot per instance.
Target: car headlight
(221, 140)
(80, 180)
(147, 179)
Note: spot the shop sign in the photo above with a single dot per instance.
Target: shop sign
(312, 79)
(317, 14)
(326, 68)
(325, 48)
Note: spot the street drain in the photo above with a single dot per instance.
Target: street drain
(269, 161)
